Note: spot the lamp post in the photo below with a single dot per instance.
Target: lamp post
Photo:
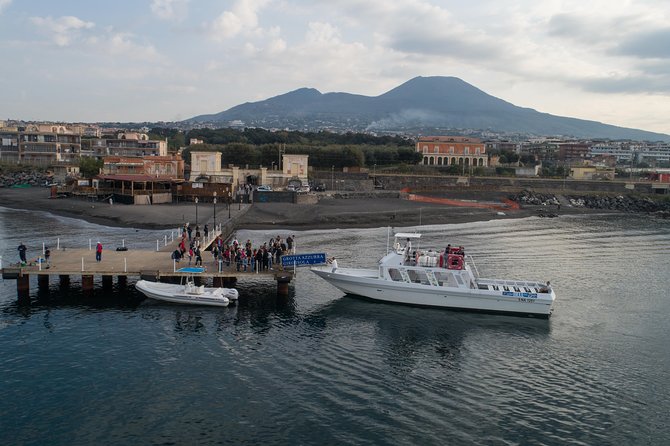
(332, 177)
(229, 199)
(196, 211)
(239, 203)
(215, 212)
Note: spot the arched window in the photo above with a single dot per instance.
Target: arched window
(439, 161)
(481, 162)
(425, 160)
(453, 161)
(460, 161)
(467, 162)
(431, 160)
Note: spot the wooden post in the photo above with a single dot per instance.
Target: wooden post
(23, 286)
(282, 284)
(43, 282)
(107, 282)
(230, 282)
(64, 280)
(217, 282)
(87, 284)
(122, 281)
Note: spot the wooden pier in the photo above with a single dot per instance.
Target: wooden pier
(155, 265)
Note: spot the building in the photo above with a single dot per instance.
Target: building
(128, 144)
(206, 167)
(40, 144)
(452, 151)
(140, 180)
(573, 152)
(592, 173)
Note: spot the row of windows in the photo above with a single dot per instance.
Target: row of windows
(441, 161)
(436, 149)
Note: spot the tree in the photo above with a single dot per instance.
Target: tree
(89, 167)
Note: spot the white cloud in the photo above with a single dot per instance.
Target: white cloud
(242, 18)
(62, 30)
(4, 4)
(169, 9)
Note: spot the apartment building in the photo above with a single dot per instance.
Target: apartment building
(128, 144)
(40, 144)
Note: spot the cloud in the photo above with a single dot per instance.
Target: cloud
(242, 18)
(641, 83)
(169, 9)
(62, 30)
(647, 44)
(4, 4)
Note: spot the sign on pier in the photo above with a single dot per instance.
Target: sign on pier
(303, 259)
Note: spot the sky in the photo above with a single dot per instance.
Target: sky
(167, 60)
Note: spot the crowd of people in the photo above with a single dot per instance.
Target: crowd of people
(243, 256)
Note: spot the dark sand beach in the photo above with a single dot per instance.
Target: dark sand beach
(330, 212)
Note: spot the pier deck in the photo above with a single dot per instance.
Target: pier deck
(154, 264)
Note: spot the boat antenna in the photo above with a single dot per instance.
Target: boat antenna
(388, 238)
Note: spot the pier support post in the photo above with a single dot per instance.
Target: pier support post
(217, 282)
(87, 284)
(43, 282)
(230, 282)
(64, 280)
(122, 281)
(107, 283)
(282, 284)
(23, 286)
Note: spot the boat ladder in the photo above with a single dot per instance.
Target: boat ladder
(431, 278)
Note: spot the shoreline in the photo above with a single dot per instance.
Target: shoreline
(328, 213)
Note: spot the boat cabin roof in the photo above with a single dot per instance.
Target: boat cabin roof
(407, 235)
(191, 269)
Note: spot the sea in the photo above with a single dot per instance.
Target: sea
(319, 367)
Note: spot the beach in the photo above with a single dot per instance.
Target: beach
(329, 213)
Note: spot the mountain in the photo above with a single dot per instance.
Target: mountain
(418, 104)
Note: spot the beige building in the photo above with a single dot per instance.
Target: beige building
(207, 167)
(592, 173)
(128, 144)
(40, 144)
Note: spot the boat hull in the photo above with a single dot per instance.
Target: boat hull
(218, 297)
(366, 283)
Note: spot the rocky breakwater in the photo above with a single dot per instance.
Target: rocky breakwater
(534, 199)
(24, 178)
(624, 203)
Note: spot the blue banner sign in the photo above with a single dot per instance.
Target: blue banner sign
(303, 259)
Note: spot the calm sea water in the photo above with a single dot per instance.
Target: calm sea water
(321, 368)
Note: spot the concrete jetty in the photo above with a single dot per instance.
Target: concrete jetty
(150, 264)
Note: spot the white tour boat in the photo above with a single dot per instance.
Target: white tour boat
(439, 279)
(188, 292)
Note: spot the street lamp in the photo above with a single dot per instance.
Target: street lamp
(215, 212)
(239, 205)
(196, 211)
(332, 177)
(229, 199)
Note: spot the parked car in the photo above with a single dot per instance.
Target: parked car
(320, 187)
(304, 189)
(264, 188)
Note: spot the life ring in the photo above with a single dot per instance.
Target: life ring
(454, 261)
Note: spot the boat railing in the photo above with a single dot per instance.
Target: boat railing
(471, 261)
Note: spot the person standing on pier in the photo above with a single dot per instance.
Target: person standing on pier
(22, 252)
(47, 256)
(206, 231)
(98, 252)
(198, 257)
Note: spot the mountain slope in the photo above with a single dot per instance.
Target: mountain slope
(438, 102)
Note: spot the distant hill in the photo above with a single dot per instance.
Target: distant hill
(422, 102)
